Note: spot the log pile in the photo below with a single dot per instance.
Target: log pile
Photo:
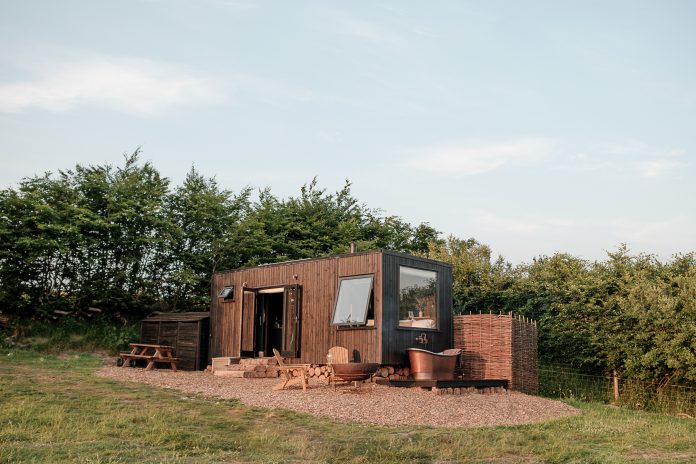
(466, 390)
(321, 372)
(498, 347)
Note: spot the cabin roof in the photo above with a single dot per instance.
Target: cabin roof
(344, 255)
(177, 317)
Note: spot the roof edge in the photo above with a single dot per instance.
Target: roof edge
(343, 255)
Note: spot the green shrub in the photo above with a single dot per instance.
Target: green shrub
(98, 334)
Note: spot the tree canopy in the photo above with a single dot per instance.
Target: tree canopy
(123, 239)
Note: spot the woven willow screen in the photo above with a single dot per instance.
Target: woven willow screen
(498, 347)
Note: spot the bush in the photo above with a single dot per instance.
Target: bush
(98, 334)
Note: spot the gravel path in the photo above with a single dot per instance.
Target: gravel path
(379, 405)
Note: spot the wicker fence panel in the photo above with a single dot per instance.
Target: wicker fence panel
(498, 347)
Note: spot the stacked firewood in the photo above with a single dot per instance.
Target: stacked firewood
(466, 390)
(315, 371)
(321, 372)
(498, 346)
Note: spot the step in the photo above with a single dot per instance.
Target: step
(259, 361)
(247, 374)
(245, 367)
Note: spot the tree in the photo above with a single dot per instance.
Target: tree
(202, 216)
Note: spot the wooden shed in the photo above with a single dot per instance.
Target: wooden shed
(186, 332)
(376, 304)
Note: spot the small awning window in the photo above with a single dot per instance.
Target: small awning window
(353, 300)
(227, 293)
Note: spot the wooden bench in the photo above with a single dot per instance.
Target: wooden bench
(151, 353)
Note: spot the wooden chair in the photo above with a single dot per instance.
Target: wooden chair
(286, 370)
(336, 355)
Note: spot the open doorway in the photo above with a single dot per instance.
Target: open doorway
(271, 318)
(269, 321)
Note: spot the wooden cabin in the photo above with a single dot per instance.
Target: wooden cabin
(376, 304)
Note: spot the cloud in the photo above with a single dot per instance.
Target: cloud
(269, 90)
(520, 225)
(131, 85)
(658, 167)
(625, 156)
(358, 28)
(479, 159)
(664, 236)
(365, 30)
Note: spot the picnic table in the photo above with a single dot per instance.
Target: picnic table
(151, 353)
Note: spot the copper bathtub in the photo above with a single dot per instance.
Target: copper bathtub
(426, 365)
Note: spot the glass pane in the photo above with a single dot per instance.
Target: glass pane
(417, 298)
(227, 293)
(352, 301)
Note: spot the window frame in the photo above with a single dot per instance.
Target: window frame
(370, 298)
(227, 298)
(437, 301)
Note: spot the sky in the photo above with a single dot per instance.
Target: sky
(535, 127)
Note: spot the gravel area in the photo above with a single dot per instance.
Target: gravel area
(373, 404)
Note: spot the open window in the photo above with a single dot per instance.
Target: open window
(227, 293)
(417, 298)
(354, 301)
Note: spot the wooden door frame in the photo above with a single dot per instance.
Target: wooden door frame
(256, 291)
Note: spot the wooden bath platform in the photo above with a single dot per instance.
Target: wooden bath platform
(408, 383)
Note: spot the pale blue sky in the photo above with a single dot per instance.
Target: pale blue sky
(534, 127)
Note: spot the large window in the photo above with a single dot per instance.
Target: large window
(417, 298)
(354, 301)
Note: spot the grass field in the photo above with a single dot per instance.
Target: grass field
(54, 409)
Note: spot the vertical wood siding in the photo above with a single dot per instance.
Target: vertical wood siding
(189, 339)
(319, 281)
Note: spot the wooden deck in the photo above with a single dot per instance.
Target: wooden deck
(444, 383)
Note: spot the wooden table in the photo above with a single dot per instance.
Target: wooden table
(151, 353)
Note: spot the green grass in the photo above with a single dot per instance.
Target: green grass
(98, 334)
(54, 409)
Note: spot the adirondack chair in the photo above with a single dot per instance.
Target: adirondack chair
(286, 371)
(336, 355)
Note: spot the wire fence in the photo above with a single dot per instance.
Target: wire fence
(560, 382)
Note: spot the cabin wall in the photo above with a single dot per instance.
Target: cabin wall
(319, 281)
(396, 340)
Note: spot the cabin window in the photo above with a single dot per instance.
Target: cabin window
(417, 298)
(227, 293)
(354, 301)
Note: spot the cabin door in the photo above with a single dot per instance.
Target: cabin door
(248, 322)
(292, 321)
(271, 320)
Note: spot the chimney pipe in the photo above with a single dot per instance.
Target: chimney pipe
(353, 247)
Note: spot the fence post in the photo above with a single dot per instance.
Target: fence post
(615, 377)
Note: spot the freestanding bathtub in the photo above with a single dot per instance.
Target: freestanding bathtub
(426, 365)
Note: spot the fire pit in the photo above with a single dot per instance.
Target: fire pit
(354, 372)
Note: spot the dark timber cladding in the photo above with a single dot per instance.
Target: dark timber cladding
(395, 339)
(186, 332)
(289, 306)
(271, 291)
